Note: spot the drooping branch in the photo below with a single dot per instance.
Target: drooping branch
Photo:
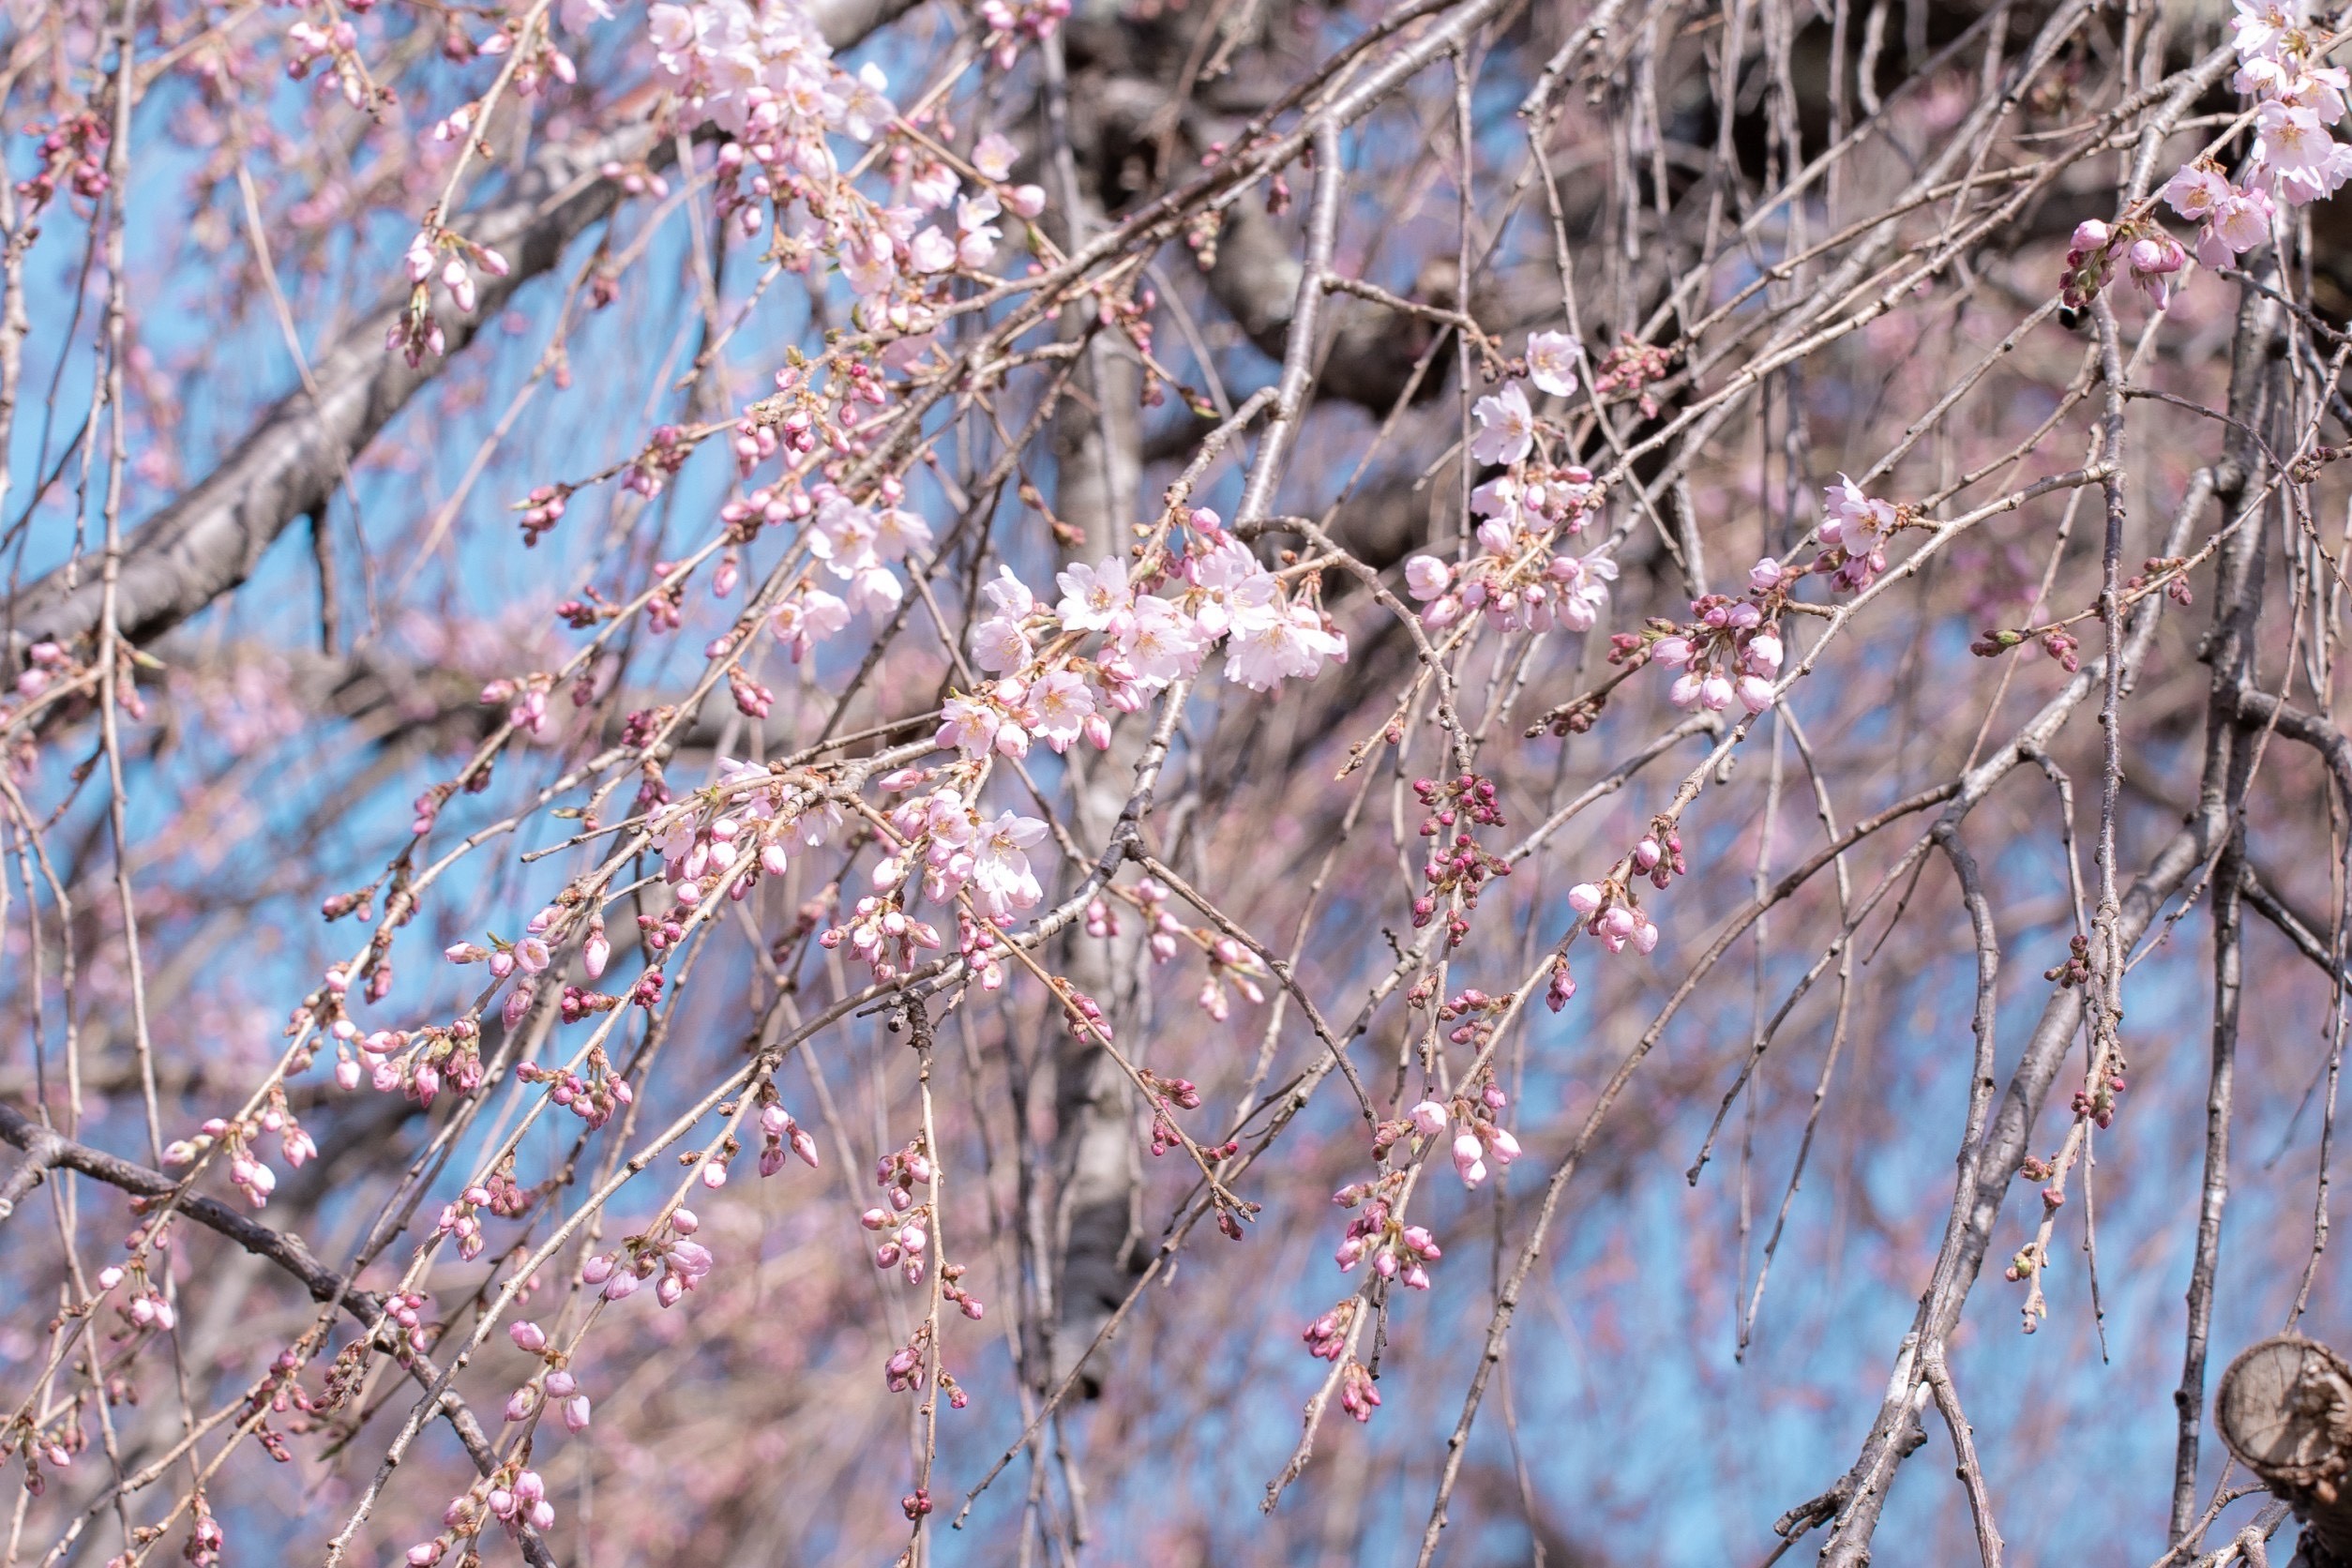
(207, 542)
(46, 1149)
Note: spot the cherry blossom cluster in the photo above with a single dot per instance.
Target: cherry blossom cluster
(1480, 1137)
(778, 1133)
(1011, 21)
(511, 1495)
(595, 1095)
(1729, 651)
(1326, 1335)
(1631, 368)
(1232, 966)
(2151, 256)
(338, 44)
(905, 1238)
(1855, 529)
(1163, 1092)
(251, 1177)
(899, 1172)
(904, 1372)
(1148, 640)
(281, 1390)
(1397, 1250)
(417, 1063)
(499, 1193)
(2296, 161)
(57, 1445)
(438, 255)
(1611, 915)
(957, 851)
(405, 1310)
(44, 661)
(1513, 579)
(1458, 866)
(735, 833)
(681, 1262)
(145, 1306)
(1731, 648)
(766, 70)
(558, 1386)
(73, 150)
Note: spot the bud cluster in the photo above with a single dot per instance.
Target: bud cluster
(558, 1386)
(681, 1262)
(1457, 865)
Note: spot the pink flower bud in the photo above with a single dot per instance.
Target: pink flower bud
(576, 1413)
(528, 1335)
(1467, 1155)
(1429, 1118)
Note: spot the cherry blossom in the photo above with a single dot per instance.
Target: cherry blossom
(1551, 362)
(1506, 426)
